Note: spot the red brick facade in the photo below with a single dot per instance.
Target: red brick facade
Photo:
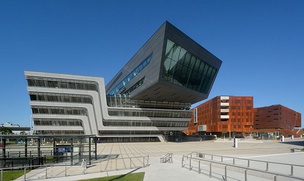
(236, 115)
(224, 114)
(278, 118)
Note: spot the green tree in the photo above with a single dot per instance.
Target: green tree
(5, 130)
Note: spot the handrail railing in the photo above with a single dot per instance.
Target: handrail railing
(166, 158)
(51, 170)
(225, 177)
(249, 161)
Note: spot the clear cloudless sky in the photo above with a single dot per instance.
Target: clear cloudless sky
(261, 44)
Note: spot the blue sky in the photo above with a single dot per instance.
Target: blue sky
(261, 44)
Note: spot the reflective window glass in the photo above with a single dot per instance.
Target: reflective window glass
(130, 76)
(183, 68)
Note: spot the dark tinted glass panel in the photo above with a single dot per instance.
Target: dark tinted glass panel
(183, 68)
(120, 88)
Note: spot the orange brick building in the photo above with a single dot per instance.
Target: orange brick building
(223, 115)
(278, 118)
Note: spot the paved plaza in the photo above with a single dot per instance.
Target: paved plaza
(253, 149)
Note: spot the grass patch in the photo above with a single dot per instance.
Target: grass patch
(12, 175)
(127, 177)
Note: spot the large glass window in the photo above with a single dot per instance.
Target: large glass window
(183, 68)
(60, 98)
(64, 84)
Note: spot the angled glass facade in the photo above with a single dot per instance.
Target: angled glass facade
(183, 68)
(117, 89)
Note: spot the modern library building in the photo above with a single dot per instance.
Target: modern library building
(149, 99)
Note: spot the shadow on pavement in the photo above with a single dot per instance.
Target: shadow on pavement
(296, 143)
(121, 176)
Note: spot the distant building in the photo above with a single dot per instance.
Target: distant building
(9, 124)
(223, 115)
(235, 116)
(278, 118)
(16, 128)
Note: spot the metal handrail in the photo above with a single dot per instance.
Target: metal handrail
(166, 158)
(235, 166)
(143, 159)
(203, 155)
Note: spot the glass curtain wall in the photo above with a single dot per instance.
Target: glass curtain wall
(183, 68)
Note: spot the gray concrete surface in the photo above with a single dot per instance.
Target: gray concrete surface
(253, 149)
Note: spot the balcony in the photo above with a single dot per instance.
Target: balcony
(225, 110)
(224, 97)
(224, 116)
(224, 103)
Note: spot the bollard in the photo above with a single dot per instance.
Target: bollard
(245, 175)
(235, 143)
(282, 138)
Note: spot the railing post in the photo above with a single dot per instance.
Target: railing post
(130, 163)
(233, 161)
(101, 166)
(245, 175)
(46, 172)
(210, 170)
(226, 173)
(65, 169)
(211, 157)
(291, 170)
(143, 161)
(148, 160)
(275, 178)
(248, 165)
(116, 163)
(199, 166)
(24, 176)
(222, 159)
(190, 164)
(183, 161)
(266, 166)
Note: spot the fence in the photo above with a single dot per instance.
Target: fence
(166, 158)
(294, 169)
(65, 170)
(213, 167)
